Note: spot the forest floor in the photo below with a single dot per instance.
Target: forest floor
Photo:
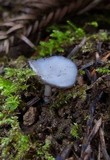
(75, 124)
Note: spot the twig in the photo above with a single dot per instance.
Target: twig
(92, 110)
(99, 150)
(77, 48)
(65, 153)
(95, 130)
(103, 145)
(86, 148)
(32, 101)
(91, 5)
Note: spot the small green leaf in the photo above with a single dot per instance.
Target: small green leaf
(74, 130)
(12, 103)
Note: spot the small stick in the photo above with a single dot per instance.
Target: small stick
(103, 145)
(95, 129)
(32, 101)
(99, 150)
(77, 48)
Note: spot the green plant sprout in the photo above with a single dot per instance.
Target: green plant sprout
(75, 130)
(44, 151)
(93, 24)
(78, 32)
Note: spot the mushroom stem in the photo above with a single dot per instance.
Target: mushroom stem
(47, 93)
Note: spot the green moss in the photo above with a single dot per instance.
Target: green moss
(75, 130)
(43, 151)
(15, 144)
(89, 46)
(65, 96)
(102, 35)
(81, 72)
(12, 83)
(70, 34)
(92, 39)
(104, 70)
(60, 38)
(57, 40)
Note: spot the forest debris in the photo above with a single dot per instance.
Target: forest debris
(91, 132)
(95, 130)
(103, 145)
(89, 6)
(103, 78)
(65, 153)
(99, 47)
(33, 101)
(77, 48)
(85, 66)
(105, 58)
(86, 147)
(14, 28)
(99, 152)
(27, 41)
(80, 80)
(30, 116)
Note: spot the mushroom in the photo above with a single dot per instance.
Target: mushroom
(55, 71)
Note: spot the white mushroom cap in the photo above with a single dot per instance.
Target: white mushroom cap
(56, 71)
